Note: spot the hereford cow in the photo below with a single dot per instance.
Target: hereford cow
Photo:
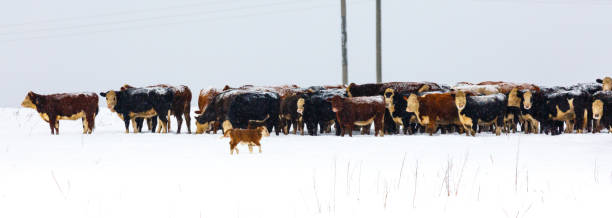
(359, 111)
(316, 111)
(181, 106)
(476, 110)
(135, 103)
(602, 111)
(66, 106)
(433, 110)
(250, 137)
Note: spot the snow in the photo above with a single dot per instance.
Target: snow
(368, 99)
(113, 174)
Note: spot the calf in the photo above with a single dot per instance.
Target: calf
(476, 110)
(135, 103)
(433, 110)
(602, 111)
(66, 106)
(250, 137)
(360, 111)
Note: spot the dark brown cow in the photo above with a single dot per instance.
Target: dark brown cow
(433, 110)
(360, 111)
(181, 104)
(372, 89)
(66, 106)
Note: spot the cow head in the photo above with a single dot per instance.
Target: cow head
(598, 109)
(348, 89)
(389, 94)
(460, 100)
(111, 99)
(300, 105)
(606, 83)
(337, 103)
(513, 98)
(412, 103)
(263, 130)
(30, 101)
(527, 100)
(201, 127)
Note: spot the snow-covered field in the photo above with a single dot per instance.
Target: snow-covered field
(113, 174)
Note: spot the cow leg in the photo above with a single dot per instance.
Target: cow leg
(187, 114)
(149, 120)
(153, 124)
(126, 120)
(250, 148)
(52, 120)
(134, 125)
(91, 122)
(164, 121)
(498, 125)
(179, 122)
(84, 125)
(233, 147)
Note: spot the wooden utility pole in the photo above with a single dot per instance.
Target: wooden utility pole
(344, 55)
(378, 44)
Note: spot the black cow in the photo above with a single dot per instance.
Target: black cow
(316, 111)
(135, 103)
(478, 110)
(602, 111)
(240, 108)
(553, 107)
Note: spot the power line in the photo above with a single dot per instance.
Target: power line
(198, 13)
(129, 28)
(53, 20)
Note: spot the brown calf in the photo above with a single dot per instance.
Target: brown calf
(433, 109)
(360, 111)
(56, 107)
(250, 137)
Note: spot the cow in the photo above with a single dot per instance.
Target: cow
(602, 111)
(372, 89)
(606, 83)
(66, 106)
(250, 137)
(236, 108)
(205, 98)
(316, 111)
(554, 106)
(433, 110)
(133, 103)
(289, 116)
(359, 111)
(181, 106)
(396, 106)
(476, 110)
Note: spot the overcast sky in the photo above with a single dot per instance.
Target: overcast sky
(75, 45)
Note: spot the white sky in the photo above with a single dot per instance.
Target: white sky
(73, 46)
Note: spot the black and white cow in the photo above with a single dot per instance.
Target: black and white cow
(135, 103)
(602, 111)
(479, 110)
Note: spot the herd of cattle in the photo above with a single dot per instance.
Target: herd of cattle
(394, 107)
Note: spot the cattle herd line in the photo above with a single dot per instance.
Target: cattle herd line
(393, 107)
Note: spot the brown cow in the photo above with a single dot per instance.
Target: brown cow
(246, 136)
(433, 110)
(66, 106)
(181, 105)
(360, 111)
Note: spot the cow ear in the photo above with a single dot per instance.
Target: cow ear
(103, 94)
(226, 87)
(599, 80)
(405, 97)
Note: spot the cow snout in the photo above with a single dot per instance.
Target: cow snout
(335, 110)
(300, 111)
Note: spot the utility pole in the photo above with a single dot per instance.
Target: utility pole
(344, 55)
(378, 44)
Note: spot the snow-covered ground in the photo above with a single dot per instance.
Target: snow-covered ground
(113, 174)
